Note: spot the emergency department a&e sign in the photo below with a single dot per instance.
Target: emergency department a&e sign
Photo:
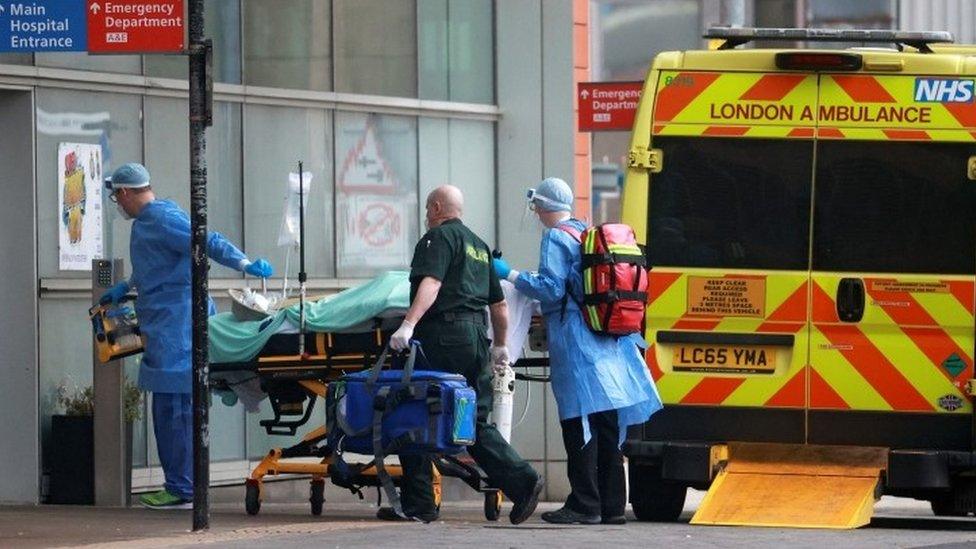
(607, 106)
(96, 26)
(136, 26)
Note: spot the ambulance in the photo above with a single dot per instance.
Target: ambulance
(810, 227)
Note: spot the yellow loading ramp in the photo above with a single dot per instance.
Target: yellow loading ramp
(793, 486)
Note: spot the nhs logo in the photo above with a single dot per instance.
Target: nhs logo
(943, 90)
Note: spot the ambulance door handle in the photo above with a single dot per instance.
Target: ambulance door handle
(850, 300)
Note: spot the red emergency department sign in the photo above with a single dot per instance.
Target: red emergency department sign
(136, 26)
(607, 106)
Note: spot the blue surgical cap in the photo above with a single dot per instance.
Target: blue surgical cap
(553, 195)
(130, 176)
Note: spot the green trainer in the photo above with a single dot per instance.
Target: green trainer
(164, 500)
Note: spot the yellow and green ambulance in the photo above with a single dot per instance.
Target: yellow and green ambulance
(809, 221)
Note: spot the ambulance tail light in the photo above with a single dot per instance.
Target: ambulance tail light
(810, 61)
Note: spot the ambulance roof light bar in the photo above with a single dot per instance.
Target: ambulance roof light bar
(736, 36)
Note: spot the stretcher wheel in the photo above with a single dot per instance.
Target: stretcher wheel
(252, 498)
(316, 496)
(493, 505)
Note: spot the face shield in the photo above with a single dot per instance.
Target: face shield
(529, 213)
(535, 202)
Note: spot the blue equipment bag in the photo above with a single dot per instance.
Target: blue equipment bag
(406, 412)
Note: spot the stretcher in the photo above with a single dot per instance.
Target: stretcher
(293, 383)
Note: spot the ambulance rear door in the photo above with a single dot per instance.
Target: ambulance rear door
(893, 262)
(728, 241)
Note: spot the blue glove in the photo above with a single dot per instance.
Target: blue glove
(260, 269)
(115, 293)
(501, 267)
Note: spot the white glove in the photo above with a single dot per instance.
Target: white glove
(499, 358)
(512, 276)
(401, 338)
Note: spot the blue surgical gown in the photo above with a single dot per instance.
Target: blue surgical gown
(589, 372)
(160, 253)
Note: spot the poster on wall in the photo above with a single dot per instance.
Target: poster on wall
(79, 205)
(375, 232)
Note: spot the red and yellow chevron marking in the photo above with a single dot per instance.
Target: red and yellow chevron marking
(733, 103)
(877, 134)
(788, 106)
(873, 101)
(893, 358)
(785, 312)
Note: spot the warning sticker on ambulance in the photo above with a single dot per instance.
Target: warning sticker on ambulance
(726, 296)
(932, 287)
(721, 359)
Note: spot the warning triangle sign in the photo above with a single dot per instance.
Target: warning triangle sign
(365, 168)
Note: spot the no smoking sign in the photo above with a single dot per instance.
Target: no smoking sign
(378, 224)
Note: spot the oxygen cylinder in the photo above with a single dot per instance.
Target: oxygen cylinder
(503, 390)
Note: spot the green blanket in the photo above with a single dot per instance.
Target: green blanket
(234, 341)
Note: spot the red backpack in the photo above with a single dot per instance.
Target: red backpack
(614, 279)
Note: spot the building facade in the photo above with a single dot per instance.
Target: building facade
(382, 100)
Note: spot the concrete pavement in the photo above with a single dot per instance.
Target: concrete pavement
(897, 523)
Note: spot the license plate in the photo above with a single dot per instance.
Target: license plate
(724, 359)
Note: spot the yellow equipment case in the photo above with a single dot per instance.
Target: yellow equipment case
(809, 220)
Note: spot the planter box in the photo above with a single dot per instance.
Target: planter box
(72, 465)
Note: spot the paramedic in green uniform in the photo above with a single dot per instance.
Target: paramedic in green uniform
(451, 284)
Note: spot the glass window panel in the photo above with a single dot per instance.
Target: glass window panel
(223, 24)
(276, 138)
(366, 64)
(167, 158)
(227, 423)
(114, 121)
(287, 44)
(376, 192)
(139, 454)
(65, 358)
(460, 152)
(470, 51)
(720, 203)
(434, 161)
(473, 171)
(894, 207)
(227, 427)
(432, 55)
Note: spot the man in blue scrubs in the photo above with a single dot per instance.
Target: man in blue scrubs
(159, 250)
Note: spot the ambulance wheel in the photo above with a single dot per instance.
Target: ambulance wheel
(493, 505)
(653, 498)
(252, 498)
(317, 496)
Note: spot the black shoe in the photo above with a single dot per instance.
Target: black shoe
(387, 513)
(522, 510)
(618, 519)
(568, 516)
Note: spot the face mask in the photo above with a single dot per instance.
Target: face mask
(122, 212)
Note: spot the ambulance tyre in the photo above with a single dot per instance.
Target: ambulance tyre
(316, 497)
(653, 498)
(252, 498)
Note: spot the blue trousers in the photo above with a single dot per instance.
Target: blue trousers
(173, 426)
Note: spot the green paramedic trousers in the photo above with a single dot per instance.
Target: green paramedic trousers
(461, 347)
